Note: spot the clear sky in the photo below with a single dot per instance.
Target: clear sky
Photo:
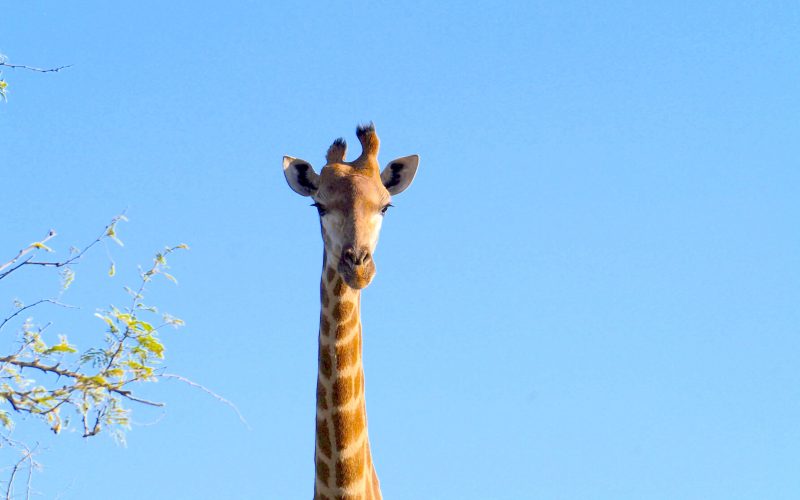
(590, 292)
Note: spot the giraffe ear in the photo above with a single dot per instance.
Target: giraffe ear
(399, 173)
(300, 175)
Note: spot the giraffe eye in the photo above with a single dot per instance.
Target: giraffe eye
(384, 209)
(320, 209)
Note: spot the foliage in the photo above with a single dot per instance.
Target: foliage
(3, 84)
(55, 381)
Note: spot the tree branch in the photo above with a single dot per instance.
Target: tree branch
(27, 456)
(62, 372)
(130, 396)
(33, 68)
(29, 248)
(51, 301)
(210, 392)
(107, 232)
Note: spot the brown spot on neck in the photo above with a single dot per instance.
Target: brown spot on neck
(348, 353)
(339, 288)
(324, 441)
(350, 469)
(325, 361)
(342, 310)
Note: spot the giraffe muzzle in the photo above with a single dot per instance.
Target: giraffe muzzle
(356, 267)
(353, 257)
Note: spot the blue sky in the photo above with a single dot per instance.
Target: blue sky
(590, 291)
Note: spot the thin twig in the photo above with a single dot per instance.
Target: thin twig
(29, 482)
(27, 456)
(51, 301)
(33, 68)
(29, 248)
(130, 396)
(51, 234)
(210, 392)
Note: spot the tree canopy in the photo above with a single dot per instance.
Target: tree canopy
(91, 387)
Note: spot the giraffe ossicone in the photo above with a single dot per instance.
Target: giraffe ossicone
(352, 199)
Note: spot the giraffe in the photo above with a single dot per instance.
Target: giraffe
(351, 198)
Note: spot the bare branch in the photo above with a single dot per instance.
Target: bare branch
(29, 482)
(210, 392)
(40, 244)
(29, 248)
(96, 428)
(51, 301)
(129, 395)
(33, 68)
(27, 456)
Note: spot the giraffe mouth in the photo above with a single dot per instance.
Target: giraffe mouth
(357, 276)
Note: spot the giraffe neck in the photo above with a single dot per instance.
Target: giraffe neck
(344, 468)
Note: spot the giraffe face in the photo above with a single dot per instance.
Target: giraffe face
(352, 199)
(351, 205)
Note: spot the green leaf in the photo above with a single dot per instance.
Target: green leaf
(152, 344)
(112, 233)
(133, 294)
(147, 327)
(105, 318)
(67, 277)
(6, 420)
(172, 320)
(41, 246)
(97, 380)
(62, 347)
(111, 326)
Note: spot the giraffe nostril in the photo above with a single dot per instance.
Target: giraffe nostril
(349, 255)
(355, 258)
(361, 257)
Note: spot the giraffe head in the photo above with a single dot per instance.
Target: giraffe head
(352, 198)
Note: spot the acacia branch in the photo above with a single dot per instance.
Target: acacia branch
(33, 246)
(129, 395)
(107, 232)
(51, 301)
(28, 484)
(33, 68)
(96, 428)
(27, 456)
(209, 392)
(62, 372)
